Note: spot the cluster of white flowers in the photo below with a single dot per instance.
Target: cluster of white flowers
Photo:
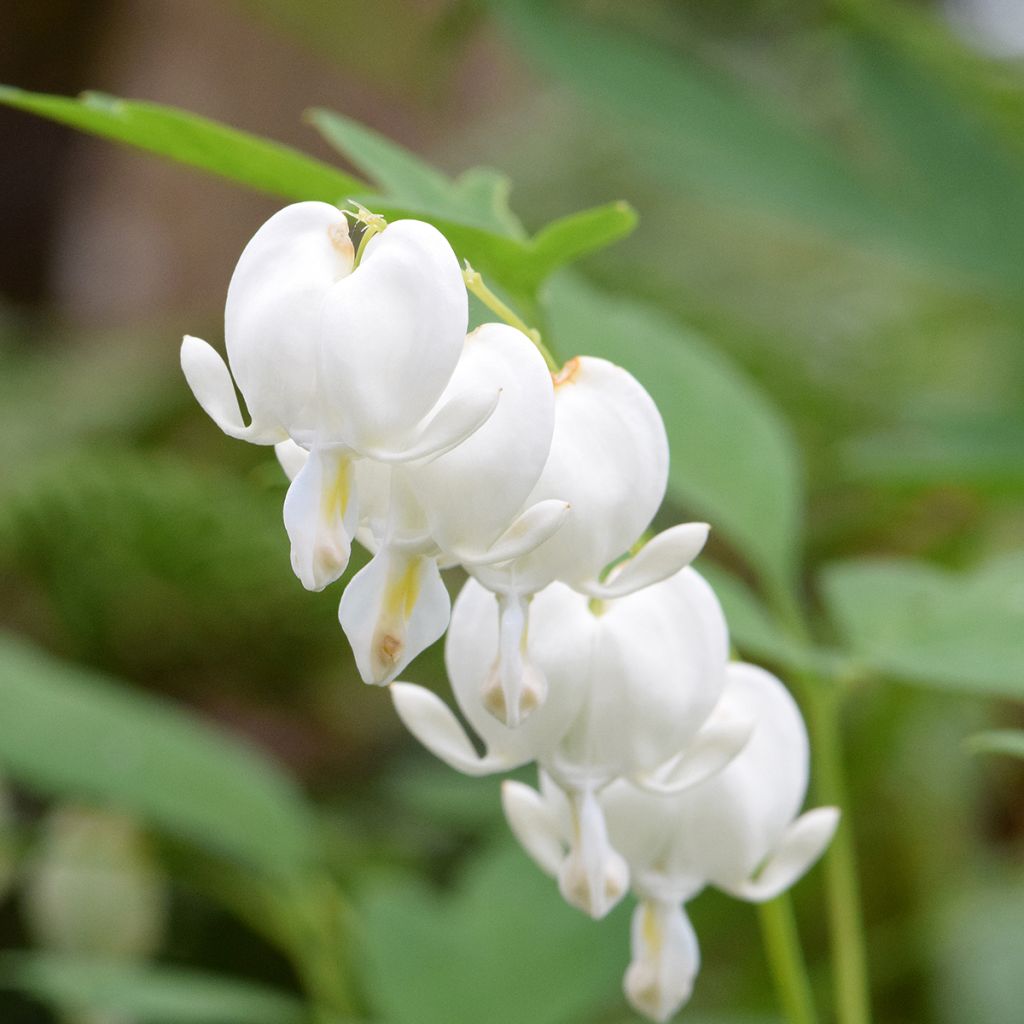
(663, 766)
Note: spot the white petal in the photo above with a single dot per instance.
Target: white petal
(320, 515)
(471, 656)
(455, 421)
(800, 847)
(666, 959)
(656, 674)
(663, 556)
(433, 723)
(515, 687)
(609, 460)
(718, 742)
(594, 876)
(530, 529)
(535, 825)
(391, 334)
(393, 609)
(272, 315)
(473, 492)
(291, 456)
(211, 383)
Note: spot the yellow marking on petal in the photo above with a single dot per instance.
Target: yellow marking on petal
(341, 242)
(334, 498)
(651, 929)
(401, 594)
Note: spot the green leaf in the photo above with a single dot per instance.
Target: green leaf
(733, 460)
(190, 139)
(919, 624)
(998, 741)
(479, 198)
(145, 994)
(692, 126)
(473, 211)
(517, 952)
(71, 734)
(982, 451)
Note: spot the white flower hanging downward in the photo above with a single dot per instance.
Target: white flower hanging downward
(347, 361)
(738, 830)
(631, 684)
(609, 461)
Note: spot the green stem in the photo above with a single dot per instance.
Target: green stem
(475, 284)
(822, 702)
(846, 927)
(786, 959)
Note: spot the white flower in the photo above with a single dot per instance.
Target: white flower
(631, 682)
(609, 461)
(463, 505)
(738, 830)
(348, 362)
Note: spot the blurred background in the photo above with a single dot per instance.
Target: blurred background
(831, 196)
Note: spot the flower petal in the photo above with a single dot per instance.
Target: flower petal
(720, 739)
(530, 529)
(393, 609)
(455, 421)
(272, 314)
(210, 381)
(320, 515)
(666, 959)
(291, 456)
(535, 824)
(800, 847)
(594, 876)
(434, 724)
(663, 556)
(391, 335)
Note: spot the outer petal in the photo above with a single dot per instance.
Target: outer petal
(291, 456)
(535, 824)
(801, 845)
(666, 959)
(211, 383)
(658, 670)
(663, 556)
(392, 334)
(320, 515)
(432, 722)
(472, 493)
(609, 460)
(272, 316)
(393, 609)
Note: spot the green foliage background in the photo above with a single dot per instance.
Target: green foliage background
(822, 292)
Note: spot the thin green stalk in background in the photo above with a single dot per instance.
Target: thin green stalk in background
(822, 702)
(786, 959)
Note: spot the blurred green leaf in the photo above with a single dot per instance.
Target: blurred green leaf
(70, 733)
(958, 189)
(733, 459)
(478, 198)
(998, 741)
(190, 139)
(694, 126)
(473, 211)
(146, 995)
(501, 948)
(977, 975)
(158, 569)
(919, 624)
(982, 451)
(757, 634)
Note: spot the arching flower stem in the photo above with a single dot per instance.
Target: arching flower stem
(372, 224)
(786, 960)
(475, 284)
